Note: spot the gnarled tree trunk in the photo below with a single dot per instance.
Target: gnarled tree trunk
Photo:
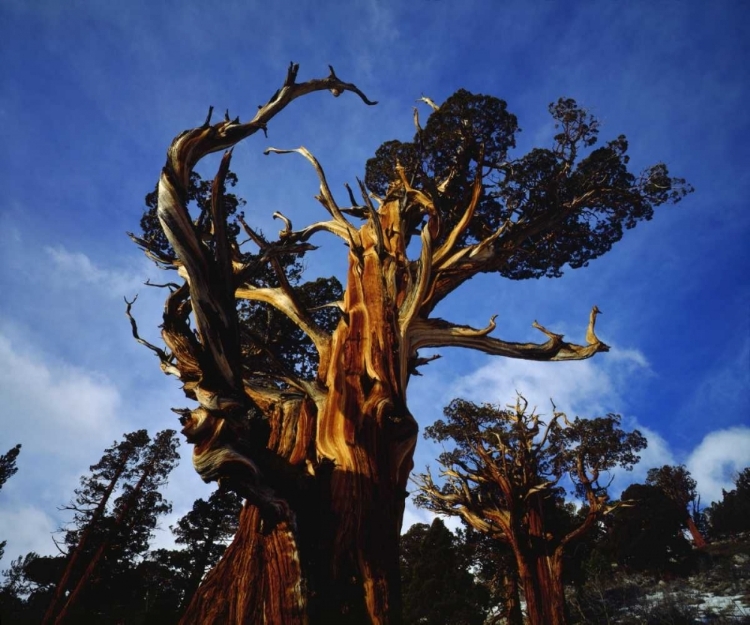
(330, 552)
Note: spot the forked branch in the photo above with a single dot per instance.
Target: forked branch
(326, 197)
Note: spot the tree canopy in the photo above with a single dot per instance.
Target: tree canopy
(7, 470)
(116, 509)
(564, 204)
(677, 484)
(646, 535)
(8, 466)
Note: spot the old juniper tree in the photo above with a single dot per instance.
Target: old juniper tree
(322, 453)
(503, 476)
(677, 484)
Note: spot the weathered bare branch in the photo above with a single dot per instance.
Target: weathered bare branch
(282, 301)
(166, 360)
(211, 292)
(429, 102)
(172, 286)
(163, 261)
(440, 333)
(450, 242)
(192, 145)
(326, 196)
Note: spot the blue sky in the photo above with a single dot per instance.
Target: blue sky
(93, 92)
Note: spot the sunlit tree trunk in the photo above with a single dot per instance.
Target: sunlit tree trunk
(340, 532)
(541, 580)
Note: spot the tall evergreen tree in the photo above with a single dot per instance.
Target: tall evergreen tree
(7, 470)
(437, 585)
(732, 514)
(115, 534)
(647, 534)
(167, 578)
(205, 531)
(8, 464)
(91, 506)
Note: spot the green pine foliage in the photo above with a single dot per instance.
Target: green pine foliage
(437, 585)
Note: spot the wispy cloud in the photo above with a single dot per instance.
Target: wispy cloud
(587, 388)
(29, 529)
(76, 269)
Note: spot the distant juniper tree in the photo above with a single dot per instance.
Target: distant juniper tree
(7, 470)
(677, 484)
(109, 534)
(731, 515)
(502, 479)
(647, 534)
(437, 586)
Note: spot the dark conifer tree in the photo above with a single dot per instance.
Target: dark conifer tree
(677, 484)
(731, 515)
(205, 531)
(103, 581)
(7, 470)
(647, 534)
(437, 584)
(91, 506)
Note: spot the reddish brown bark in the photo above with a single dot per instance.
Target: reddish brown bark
(513, 614)
(541, 578)
(347, 518)
(504, 453)
(540, 571)
(698, 539)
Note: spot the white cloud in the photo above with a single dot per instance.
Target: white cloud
(413, 515)
(656, 454)
(587, 388)
(77, 268)
(717, 458)
(63, 416)
(32, 530)
(53, 406)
